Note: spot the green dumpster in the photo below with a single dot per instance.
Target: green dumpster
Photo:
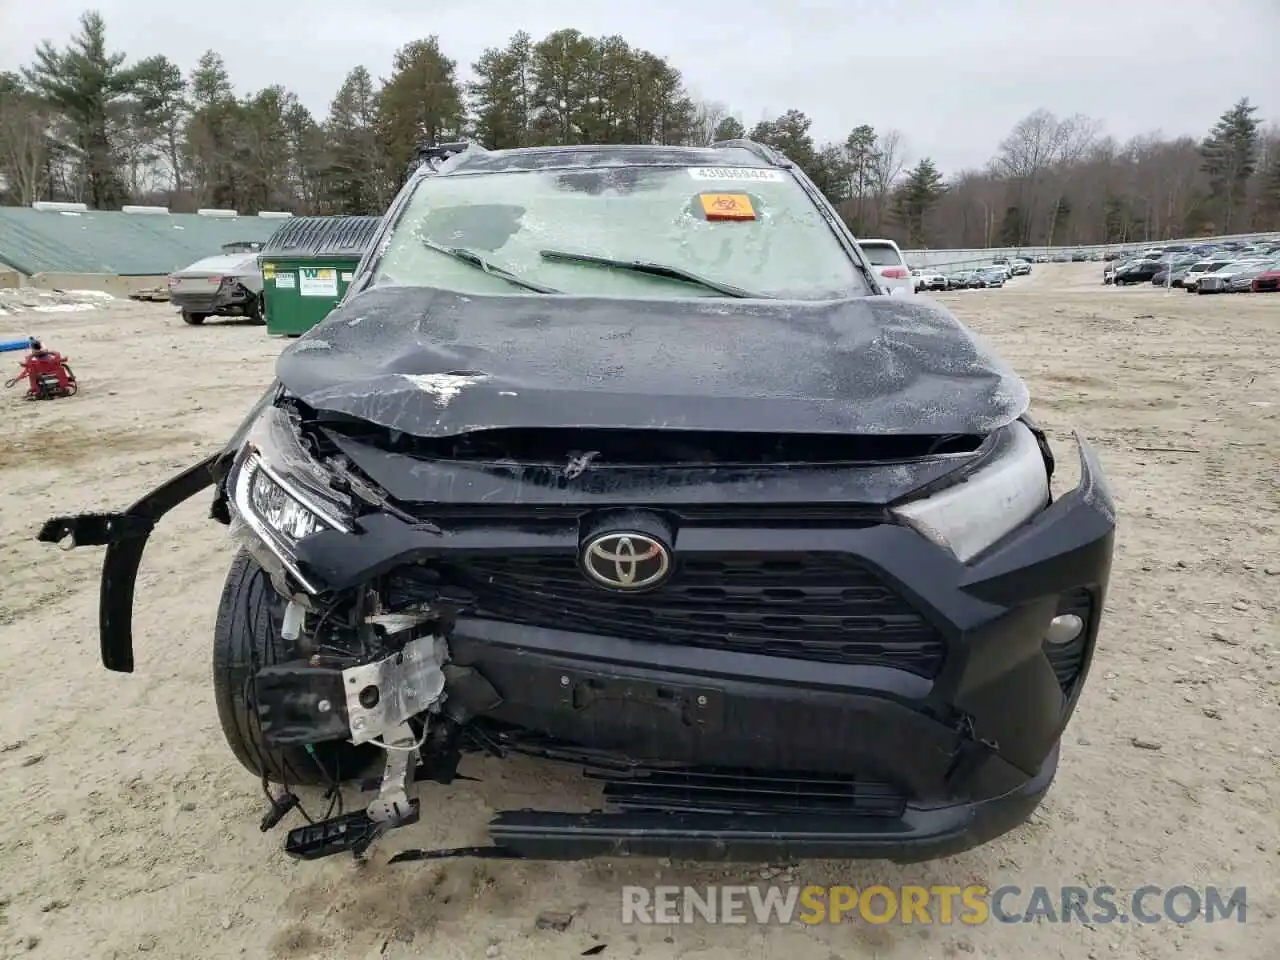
(307, 266)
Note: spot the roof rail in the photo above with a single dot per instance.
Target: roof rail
(213, 212)
(274, 214)
(442, 151)
(432, 155)
(134, 208)
(54, 206)
(761, 150)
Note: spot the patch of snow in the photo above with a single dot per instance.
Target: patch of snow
(444, 386)
(64, 308)
(14, 301)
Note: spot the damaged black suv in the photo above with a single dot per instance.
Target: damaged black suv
(621, 457)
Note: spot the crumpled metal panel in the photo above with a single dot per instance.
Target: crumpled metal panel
(436, 363)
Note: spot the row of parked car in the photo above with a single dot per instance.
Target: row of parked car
(995, 274)
(1203, 268)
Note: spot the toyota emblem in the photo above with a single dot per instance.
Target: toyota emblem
(626, 561)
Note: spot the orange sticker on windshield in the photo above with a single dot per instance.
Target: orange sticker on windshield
(727, 206)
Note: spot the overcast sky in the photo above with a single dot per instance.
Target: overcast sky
(953, 75)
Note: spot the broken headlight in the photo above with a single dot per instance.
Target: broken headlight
(281, 495)
(989, 503)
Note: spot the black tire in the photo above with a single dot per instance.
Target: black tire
(246, 637)
(194, 319)
(256, 311)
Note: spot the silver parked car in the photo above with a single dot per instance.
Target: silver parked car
(1219, 280)
(1242, 282)
(1191, 280)
(228, 285)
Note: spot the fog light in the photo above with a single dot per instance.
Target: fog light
(1063, 629)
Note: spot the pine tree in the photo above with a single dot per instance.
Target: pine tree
(421, 102)
(916, 197)
(500, 95)
(211, 134)
(1012, 227)
(730, 128)
(162, 110)
(860, 148)
(355, 174)
(789, 134)
(1230, 155)
(86, 82)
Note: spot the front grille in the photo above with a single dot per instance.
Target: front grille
(824, 607)
(1068, 658)
(713, 790)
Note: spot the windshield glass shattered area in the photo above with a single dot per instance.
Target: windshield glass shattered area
(776, 244)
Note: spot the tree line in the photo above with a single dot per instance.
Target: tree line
(82, 123)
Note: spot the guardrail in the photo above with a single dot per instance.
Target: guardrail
(972, 257)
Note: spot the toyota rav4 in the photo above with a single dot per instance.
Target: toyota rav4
(622, 457)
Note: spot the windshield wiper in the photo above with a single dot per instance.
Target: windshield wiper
(464, 255)
(653, 270)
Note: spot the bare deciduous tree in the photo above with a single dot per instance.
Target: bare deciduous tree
(707, 117)
(1031, 149)
(886, 166)
(1070, 140)
(24, 146)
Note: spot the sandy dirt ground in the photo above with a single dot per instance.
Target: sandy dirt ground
(130, 828)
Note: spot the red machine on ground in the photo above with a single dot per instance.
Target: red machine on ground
(47, 373)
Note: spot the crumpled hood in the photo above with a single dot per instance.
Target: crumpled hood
(436, 363)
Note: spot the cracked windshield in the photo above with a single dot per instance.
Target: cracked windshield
(731, 232)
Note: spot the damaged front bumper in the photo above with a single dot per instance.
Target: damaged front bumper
(715, 754)
(770, 757)
(125, 536)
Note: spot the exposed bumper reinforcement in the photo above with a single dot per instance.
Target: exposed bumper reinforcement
(920, 835)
